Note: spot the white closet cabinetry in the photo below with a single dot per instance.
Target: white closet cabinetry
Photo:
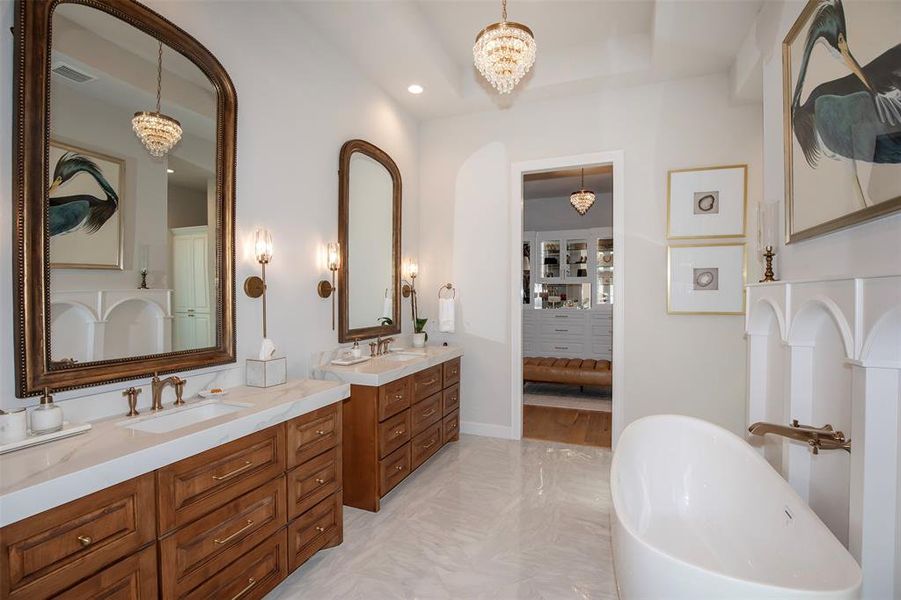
(192, 287)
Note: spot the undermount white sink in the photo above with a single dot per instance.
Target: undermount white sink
(401, 356)
(183, 416)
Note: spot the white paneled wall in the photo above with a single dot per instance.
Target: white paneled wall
(829, 351)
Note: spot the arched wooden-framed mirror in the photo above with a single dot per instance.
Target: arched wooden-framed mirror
(107, 220)
(369, 235)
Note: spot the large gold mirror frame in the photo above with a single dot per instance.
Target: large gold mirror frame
(31, 271)
(347, 333)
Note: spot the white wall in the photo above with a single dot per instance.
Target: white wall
(552, 214)
(697, 362)
(298, 102)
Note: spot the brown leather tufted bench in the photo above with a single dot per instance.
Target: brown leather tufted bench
(573, 371)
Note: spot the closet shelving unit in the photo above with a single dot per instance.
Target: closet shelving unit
(568, 288)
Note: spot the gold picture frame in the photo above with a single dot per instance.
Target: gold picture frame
(862, 215)
(119, 264)
(669, 278)
(744, 204)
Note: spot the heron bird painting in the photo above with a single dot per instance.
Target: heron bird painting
(83, 209)
(843, 115)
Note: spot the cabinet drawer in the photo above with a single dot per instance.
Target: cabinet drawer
(313, 481)
(426, 383)
(195, 486)
(566, 329)
(47, 553)
(395, 397)
(132, 578)
(314, 433)
(252, 576)
(320, 527)
(394, 433)
(425, 413)
(394, 469)
(197, 551)
(450, 427)
(451, 371)
(450, 399)
(561, 349)
(425, 445)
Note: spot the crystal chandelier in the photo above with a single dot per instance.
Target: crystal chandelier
(158, 132)
(504, 52)
(582, 199)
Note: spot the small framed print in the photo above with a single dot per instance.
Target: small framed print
(706, 279)
(706, 203)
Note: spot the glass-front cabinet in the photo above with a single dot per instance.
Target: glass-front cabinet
(604, 283)
(567, 281)
(571, 269)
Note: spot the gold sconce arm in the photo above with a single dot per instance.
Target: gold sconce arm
(325, 288)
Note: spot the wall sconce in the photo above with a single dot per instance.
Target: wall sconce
(255, 287)
(410, 271)
(326, 289)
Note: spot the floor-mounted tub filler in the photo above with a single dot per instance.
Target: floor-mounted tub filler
(698, 513)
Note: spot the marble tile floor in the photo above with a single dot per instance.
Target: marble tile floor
(484, 518)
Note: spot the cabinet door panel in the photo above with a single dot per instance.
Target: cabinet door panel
(132, 578)
(320, 527)
(314, 481)
(313, 433)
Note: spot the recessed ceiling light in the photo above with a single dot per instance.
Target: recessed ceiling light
(170, 171)
(415, 89)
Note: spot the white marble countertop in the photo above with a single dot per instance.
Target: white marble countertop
(42, 477)
(390, 367)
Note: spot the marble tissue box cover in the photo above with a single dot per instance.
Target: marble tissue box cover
(267, 373)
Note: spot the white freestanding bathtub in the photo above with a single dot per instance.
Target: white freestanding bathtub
(698, 513)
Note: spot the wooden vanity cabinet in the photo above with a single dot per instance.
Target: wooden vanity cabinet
(231, 522)
(392, 429)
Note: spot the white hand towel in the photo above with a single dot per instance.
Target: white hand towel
(446, 315)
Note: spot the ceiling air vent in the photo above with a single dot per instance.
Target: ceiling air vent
(72, 74)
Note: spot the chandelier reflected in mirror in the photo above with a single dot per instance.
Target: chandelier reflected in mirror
(504, 52)
(158, 132)
(582, 199)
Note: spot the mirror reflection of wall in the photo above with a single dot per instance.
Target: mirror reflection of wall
(370, 247)
(114, 208)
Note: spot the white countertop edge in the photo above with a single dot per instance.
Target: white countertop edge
(29, 501)
(358, 375)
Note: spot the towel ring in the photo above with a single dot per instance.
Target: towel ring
(447, 286)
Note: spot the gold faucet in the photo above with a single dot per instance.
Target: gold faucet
(825, 437)
(382, 345)
(156, 390)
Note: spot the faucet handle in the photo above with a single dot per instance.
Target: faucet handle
(132, 395)
(179, 390)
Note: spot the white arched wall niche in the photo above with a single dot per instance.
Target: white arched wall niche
(134, 327)
(766, 376)
(821, 394)
(842, 339)
(72, 331)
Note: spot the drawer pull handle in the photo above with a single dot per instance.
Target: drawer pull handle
(85, 540)
(398, 432)
(235, 534)
(319, 480)
(250, 583)
(429, 445)
(429, 382)
(320, 529)
(399, 468)
(453, 399)
(231, 474)
(320, 432)
(429, 412)
(398, 396)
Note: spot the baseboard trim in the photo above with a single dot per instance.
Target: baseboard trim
(486, 430)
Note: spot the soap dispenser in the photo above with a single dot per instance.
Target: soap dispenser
(47, 417)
